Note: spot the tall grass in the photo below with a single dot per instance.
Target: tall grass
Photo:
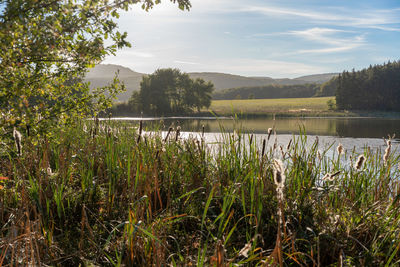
(103, 193)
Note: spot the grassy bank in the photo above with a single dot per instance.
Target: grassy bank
(105, 194)
(284, 107)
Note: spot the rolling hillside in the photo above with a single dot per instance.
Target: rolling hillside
(102, 74)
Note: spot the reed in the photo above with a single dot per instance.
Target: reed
(105, 193)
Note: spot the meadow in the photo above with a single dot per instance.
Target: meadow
(109, 194)
(312, 106)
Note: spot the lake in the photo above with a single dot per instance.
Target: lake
(355, 133)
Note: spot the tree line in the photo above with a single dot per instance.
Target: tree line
(373, 88)
(268, 91)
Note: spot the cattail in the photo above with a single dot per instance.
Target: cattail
(140, 131)
(178, 131)
(290, 143)
(279, 179)
(263, 149)
(269, 133)
(251, 139)
(340, 149)
(387, 151)
(169, 131)
(18, 139)
(279, 175)
(359, 162)
(282, 152)
(330, 177)
(202, 132)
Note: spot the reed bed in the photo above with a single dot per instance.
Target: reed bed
(108, 194)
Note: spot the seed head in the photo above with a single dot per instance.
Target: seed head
(269, 133)
(18, 139)
(359, 162)
(279, 173)
(178, 132)
(340, 149)
(387, 151)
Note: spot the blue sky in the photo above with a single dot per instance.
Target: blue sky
(276, 38)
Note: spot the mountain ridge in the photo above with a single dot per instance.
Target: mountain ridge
(103, 74)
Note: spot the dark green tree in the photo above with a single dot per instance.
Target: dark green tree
(169, 91)
(202, 91)
(374, 88)
(46, 44)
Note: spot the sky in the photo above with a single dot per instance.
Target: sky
(273, 38)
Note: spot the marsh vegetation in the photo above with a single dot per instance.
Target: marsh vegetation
(105, 193)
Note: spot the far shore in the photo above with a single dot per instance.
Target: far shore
(268, 108)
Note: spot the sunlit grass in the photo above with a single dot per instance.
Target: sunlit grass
(313, 105)
(100, 195)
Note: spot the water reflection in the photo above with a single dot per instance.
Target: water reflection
(339, 127)
(353, 133)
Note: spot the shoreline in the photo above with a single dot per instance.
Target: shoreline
(288, 114)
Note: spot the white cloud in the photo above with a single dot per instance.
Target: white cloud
(327, 50)
(376, 19)
(329, 37)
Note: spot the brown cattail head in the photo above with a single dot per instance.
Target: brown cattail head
(169, 131)
(387, 151)
(140, 127)
(288, 146)
(360, 162)
(18, 139)
(340, 149)
(178, 131)
(263, 148)
(269, 133)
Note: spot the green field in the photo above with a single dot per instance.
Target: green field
(288, 106)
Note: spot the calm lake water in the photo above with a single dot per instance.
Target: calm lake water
(357, 133)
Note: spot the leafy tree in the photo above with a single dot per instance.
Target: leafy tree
(169, 91)
(202, 93)
(46, 48)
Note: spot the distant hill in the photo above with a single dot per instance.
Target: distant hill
(317, 78)
(224, 81)
(103, 74)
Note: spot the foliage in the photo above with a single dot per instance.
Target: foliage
(331, 104)
(46, 48)
(268, 91)
(375, 88)
(169, 91)
(328, 88)
(109, 195)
